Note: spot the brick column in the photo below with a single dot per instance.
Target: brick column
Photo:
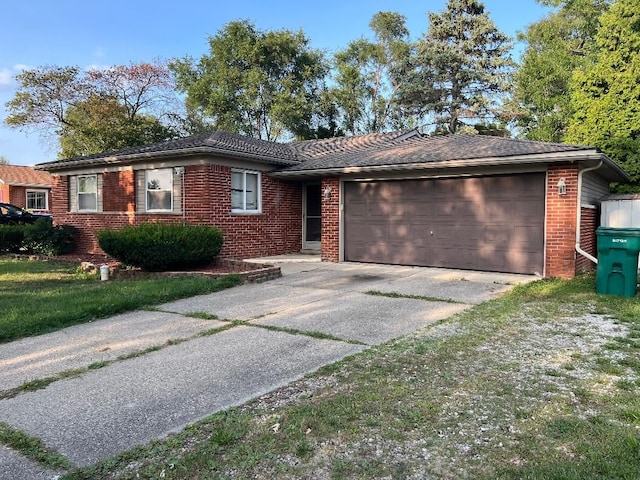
(330, 251)
(560, 258)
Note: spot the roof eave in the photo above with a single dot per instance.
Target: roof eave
(556, 157)
(23, 184)
(139, 157)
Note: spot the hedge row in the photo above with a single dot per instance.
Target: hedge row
(157, 247)
(40, 237)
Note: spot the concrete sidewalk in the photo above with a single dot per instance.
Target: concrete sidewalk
(129, 402)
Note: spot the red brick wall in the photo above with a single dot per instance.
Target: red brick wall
(59, 205)
(561, 222)
(589, 222)
(118, 191)
(277, 230)
(18, 196)
(330, 250)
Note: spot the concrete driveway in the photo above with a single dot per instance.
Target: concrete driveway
(316, 314)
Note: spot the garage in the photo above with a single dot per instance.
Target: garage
(492, 223)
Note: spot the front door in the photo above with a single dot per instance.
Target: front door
(312, 220)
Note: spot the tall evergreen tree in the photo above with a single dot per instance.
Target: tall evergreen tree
(606, 91)
(461, 69)
(556, 46)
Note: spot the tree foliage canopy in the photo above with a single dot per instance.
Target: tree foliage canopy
(461, 69)
(606, 90)
(262, 84)
(556, 46)
(369, 74)
(96, 110)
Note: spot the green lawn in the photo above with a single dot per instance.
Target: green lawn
(38, 297)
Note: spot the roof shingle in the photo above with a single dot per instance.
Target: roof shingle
(24, 176)
(381, 150)
(221, 143)
(373, 150)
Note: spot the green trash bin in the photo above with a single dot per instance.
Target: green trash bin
(618, 250)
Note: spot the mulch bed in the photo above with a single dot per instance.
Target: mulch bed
(112, 263)
(92, 262)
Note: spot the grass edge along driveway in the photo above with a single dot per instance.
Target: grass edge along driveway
(39, 297)
(542, 383)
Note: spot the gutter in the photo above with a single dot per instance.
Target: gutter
(448, 164)
(579, 213)
(142, 156)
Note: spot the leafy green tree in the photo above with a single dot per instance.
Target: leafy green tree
(368, 75)
(262, 84)
(4, 160)
(461, 70)
(556, 46)
(88, 111)
(102, 123)
(606, 91)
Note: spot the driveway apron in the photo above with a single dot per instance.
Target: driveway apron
(316, 314)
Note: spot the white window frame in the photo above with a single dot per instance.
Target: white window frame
(36, 192)
(146, 190)
(87, 193)
(243, 191)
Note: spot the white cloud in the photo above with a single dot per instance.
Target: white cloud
(6, 79)
(7, 75)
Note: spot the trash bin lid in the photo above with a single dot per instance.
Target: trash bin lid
(618, 232)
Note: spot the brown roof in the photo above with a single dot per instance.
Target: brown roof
(386, 150)
(213, 143)
(16, 175)
(395, 150)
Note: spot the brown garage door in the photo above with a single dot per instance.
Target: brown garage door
(480, 223)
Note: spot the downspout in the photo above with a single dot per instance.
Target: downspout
(579, 213)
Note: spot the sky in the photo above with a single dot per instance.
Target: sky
(92, 33)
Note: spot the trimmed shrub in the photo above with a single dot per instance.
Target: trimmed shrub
(158, 247)
(46, 239)
(11, 238)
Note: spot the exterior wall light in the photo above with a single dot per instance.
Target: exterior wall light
(327, 193)
(562, 186)
(178, 170)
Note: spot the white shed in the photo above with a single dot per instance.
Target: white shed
(620, 211)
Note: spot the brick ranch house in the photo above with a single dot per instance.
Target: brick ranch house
(461, 201)
(25, 187)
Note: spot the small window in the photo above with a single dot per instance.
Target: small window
(245, 191)
(87, 193)
(159, 184)
(37, 200)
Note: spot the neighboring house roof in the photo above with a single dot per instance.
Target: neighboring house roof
(20, 176)
(404, 150)
(214, 143)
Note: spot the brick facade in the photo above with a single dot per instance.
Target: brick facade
(276, 230)
(560, 260)
(330, 249)
(18, 196)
